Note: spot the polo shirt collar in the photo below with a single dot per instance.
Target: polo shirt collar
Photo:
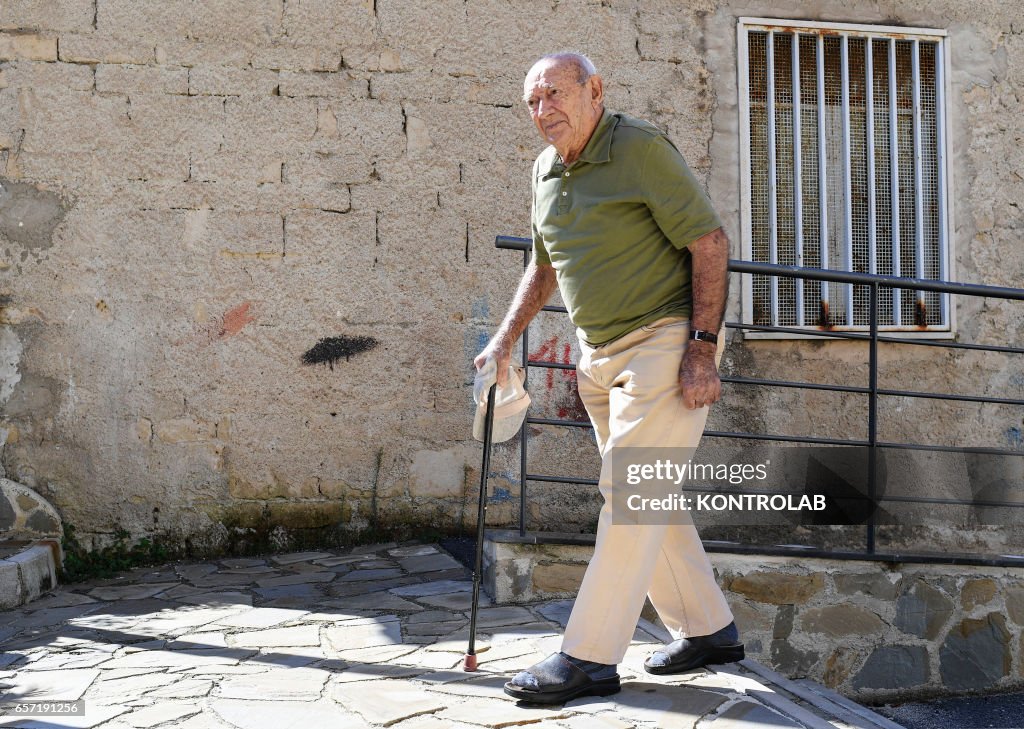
(599, 146)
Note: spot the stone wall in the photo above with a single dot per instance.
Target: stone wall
(246, 249)
(875, 632)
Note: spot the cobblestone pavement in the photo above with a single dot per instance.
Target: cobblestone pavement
(371, 637)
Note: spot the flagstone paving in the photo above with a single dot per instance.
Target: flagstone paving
(369, 637)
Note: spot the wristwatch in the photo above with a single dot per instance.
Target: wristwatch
(704, 336)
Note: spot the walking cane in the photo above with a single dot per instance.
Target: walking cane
(469, 661)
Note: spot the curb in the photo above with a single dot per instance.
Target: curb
(29, 573)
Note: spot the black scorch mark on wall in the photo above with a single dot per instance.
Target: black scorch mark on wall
(331, 349)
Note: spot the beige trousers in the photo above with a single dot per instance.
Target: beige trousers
(630, 388)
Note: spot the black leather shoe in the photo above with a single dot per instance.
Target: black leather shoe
(559, 680)
(687, 654)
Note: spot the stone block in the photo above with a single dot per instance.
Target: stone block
(68, 122)
(189, 52)
(332, 170)
(344, 22)
(90, 48)
(556, 579)
(17, 46)
(34, 75)
(777, 588)
(783, 621)
(370, 127)
(255, 22)
(279, 57)
(923, 610)
(230, 81)
(8, 514)
(184, 430)
(790, 660)
(170, 18)
(873, 584)
(894, 667)
(43, 522)
(337, 85)
(51, 15)
(977, 592)
(272, 123)
(749, 617)
(839, 620)
(1015, 605)
(129, 79)
(976, 653)
(10, 585)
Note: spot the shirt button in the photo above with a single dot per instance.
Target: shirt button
(564, 194)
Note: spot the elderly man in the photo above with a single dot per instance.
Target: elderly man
(639, 256)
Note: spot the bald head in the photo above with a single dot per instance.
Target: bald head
(583, 66)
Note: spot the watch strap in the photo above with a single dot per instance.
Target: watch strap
(704, 336)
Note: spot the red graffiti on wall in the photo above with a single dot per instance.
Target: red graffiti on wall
(570, 407)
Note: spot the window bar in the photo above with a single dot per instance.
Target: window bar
(920, 315)
(940, 146)
(869, 124)
(894, 185)
(847, 177)
(773, 233)
(798, 198)
(825, 317)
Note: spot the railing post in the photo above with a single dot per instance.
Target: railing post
(872, 414)
(526, 428)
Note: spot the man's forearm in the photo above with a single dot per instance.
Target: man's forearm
(534, 290)
(710, 265)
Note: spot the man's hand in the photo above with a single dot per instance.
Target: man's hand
(501, 353)
(698, 375)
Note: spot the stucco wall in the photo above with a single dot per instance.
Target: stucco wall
(196, 193)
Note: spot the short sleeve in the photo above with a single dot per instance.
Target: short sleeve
(540, 254)
(675, 197)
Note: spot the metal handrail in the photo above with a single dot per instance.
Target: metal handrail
(872, 390)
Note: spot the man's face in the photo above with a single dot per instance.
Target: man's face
(564, 110)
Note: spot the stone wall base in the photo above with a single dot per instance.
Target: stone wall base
(873, 631)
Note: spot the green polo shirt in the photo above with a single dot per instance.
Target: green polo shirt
(615, 225)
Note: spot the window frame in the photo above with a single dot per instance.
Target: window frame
(945, 225)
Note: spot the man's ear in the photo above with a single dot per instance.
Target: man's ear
(596, 90)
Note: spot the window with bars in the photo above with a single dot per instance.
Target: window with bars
(844, 157)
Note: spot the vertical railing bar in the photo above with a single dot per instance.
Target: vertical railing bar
(822, 171)
(918, 179)
(872, 415)
(894, 178)
(940, 145)
(524, 432)
(847, 175)
(798, 198)
(869, 133)
(773, 233)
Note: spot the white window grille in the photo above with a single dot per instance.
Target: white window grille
(843, 145)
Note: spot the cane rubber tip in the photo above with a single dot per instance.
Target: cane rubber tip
(469, 663)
